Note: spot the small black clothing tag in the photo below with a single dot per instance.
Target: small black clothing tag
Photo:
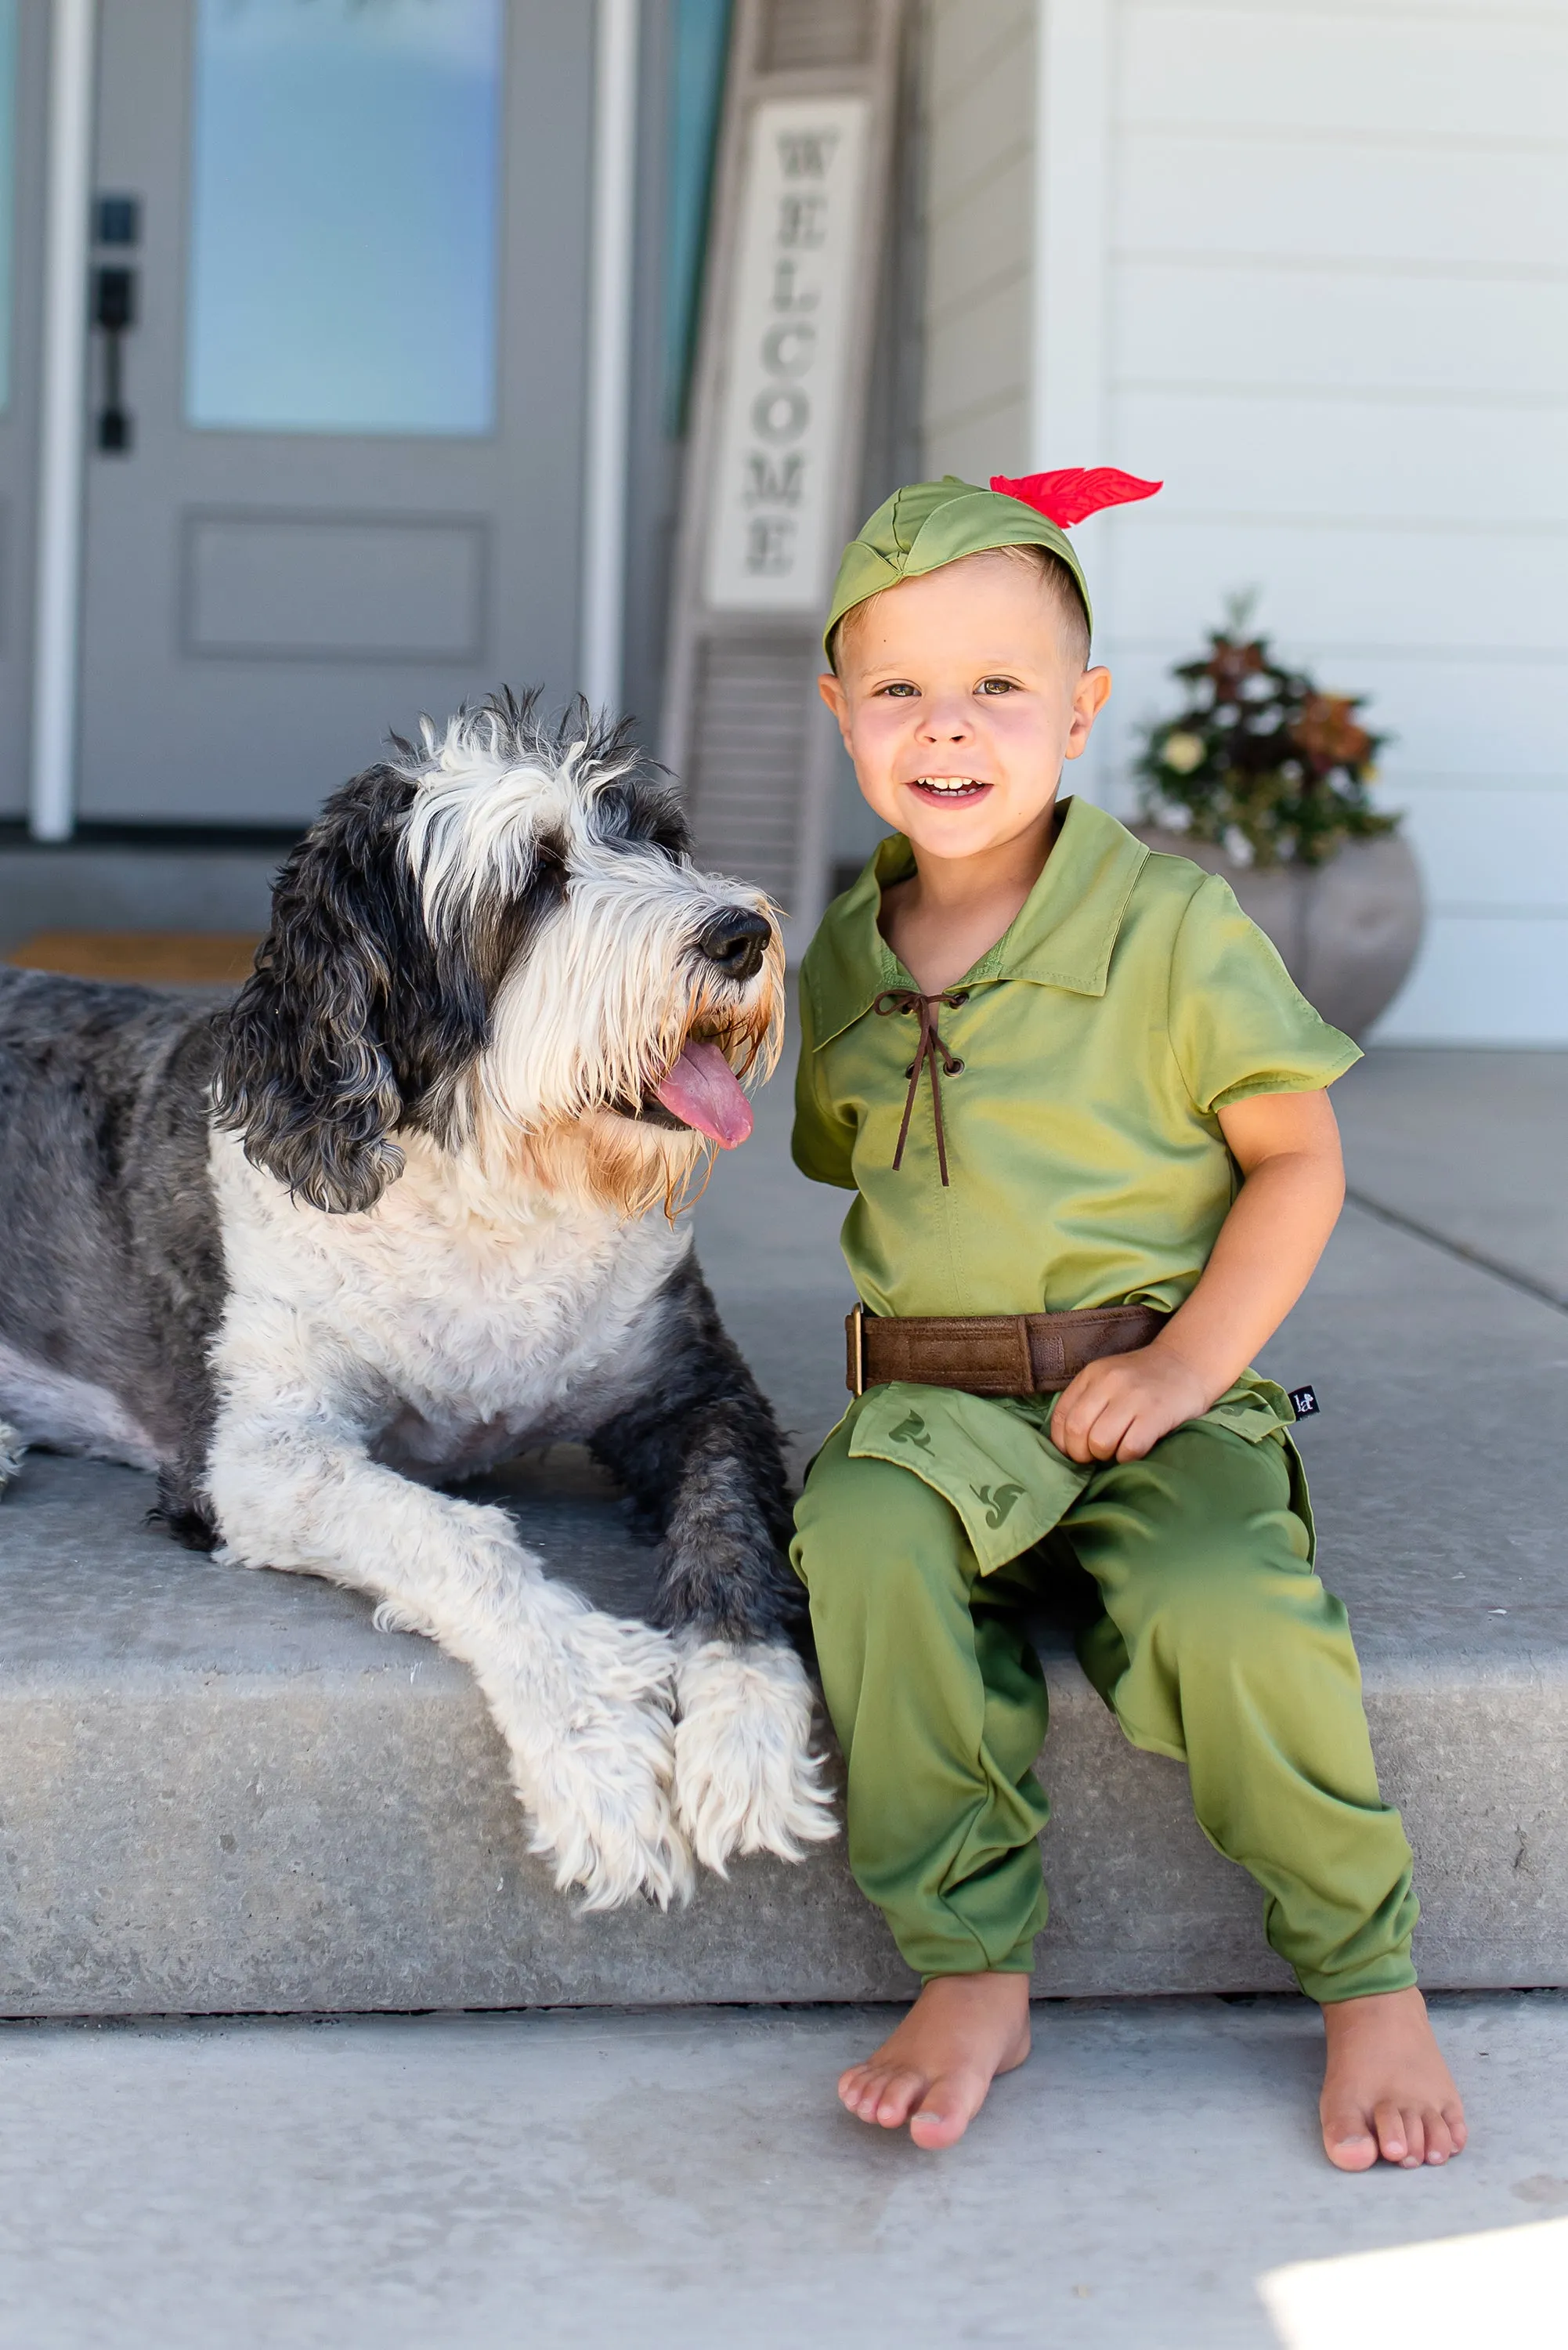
(1304, 1403)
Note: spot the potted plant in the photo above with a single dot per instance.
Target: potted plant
(1264, 777)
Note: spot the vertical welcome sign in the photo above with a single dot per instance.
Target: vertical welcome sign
(772, 483)
(773, 529)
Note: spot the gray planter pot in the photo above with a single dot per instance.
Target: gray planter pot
(1348, 930)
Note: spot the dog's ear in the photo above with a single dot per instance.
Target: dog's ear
(308, 1061)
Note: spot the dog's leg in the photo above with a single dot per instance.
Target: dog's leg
(583, 1701)
(12, 1448)
(747, 1778)
(701, 1460)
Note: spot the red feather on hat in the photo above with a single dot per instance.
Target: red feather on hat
(1066, 496)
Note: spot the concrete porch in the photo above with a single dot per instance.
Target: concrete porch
(228, 1793)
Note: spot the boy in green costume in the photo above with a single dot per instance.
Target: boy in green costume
(1060, 1073)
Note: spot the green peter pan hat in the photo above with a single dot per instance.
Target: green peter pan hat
(920, 528)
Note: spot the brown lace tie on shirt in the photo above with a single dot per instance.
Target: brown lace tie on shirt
(931, 1052)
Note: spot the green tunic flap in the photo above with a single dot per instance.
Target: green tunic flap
(990, 1458)
(1254, 1407)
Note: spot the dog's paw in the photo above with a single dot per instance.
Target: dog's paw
(746, 1779)
(587, 1715)
(11, 1450)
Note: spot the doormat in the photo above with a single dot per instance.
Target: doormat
(174, 958)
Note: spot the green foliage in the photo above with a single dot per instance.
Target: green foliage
(1261, 751)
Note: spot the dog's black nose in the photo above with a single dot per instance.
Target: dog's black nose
(736, 940)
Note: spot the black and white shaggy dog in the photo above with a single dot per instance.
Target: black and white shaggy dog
(406, 1207)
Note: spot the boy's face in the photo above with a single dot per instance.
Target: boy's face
(959, 698)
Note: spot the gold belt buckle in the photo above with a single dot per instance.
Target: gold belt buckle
(857, 1350)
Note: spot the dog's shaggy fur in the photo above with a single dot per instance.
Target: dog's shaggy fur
(406, 1206)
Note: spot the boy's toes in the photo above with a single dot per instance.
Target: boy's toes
(900, 2093)
(1454, 2121)
(1347, 2142)
(860, 2090)
(1393, 2133)
(1439, 2140)
(874, 2094)
(938, 2122)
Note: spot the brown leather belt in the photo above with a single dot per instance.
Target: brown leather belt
(991, 1354)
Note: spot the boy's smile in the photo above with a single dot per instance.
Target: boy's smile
(941, 788)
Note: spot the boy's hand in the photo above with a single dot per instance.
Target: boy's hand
(1119, 1408)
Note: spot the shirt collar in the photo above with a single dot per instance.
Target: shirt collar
(1063, 935)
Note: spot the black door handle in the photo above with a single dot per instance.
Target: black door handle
(114, 300)
(116, 220)
(114, 313)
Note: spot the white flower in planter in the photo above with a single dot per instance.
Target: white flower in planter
(1181, 752)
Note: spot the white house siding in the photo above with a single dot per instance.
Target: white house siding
(1335, 249)
(978, 139)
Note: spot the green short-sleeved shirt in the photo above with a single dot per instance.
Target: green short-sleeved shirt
(1129, 1002)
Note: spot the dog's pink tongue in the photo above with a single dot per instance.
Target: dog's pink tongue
(702, 1088)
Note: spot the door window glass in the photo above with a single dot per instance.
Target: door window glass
(344, 195)
(7, 185)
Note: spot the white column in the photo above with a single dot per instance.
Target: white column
(58, 586)
(1072, 259)
(611, 285)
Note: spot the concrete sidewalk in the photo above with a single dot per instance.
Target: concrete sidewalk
(226, 1791)
(1469, 1149)
(687, 2182)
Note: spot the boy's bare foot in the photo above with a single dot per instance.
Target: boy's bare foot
(934, 2072)
(1385, 2088)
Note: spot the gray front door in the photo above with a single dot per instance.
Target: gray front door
(340, 481)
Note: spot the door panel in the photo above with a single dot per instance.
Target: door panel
(355, 387)
(335, 586)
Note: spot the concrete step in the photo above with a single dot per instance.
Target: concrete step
(226, 1791)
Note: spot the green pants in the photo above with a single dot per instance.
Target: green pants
(1209, 1636)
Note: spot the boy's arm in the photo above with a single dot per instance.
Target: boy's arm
(1287, 1147)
